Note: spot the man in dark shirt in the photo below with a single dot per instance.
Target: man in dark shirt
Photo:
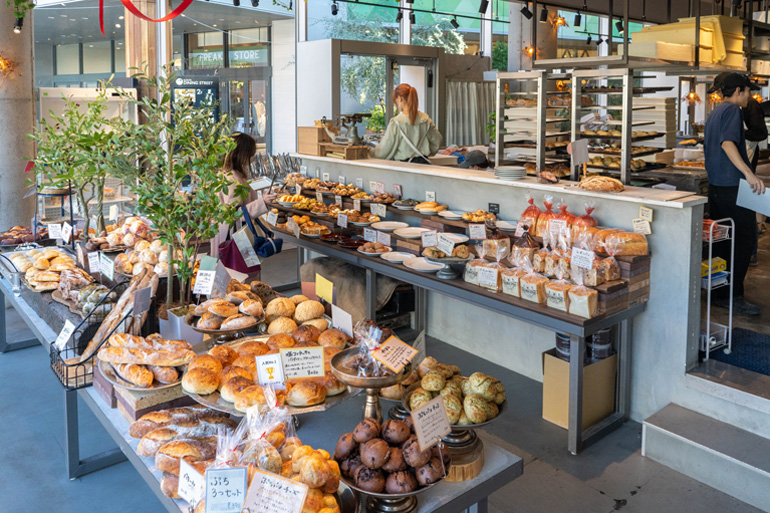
(727, 162)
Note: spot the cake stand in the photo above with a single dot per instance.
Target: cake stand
(389, 502)
(372, 385)
(447, 273)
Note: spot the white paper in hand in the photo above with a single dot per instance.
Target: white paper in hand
(749, 199)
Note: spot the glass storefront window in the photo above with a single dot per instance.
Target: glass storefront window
(436, 29)
(206, 50)
(249, 47)
(358, 22)
(120, 57)
(500, 34)
(68, 59)
(97, 57)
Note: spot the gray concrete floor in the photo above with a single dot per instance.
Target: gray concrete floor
(608, 476)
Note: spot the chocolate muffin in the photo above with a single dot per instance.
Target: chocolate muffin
(370, 480)
(412, 454)
(366, 430)
(346, 446)
(395, 462)
(395, 432)
(375, 453)
(401, 482)
(349, 465)
(430, 472)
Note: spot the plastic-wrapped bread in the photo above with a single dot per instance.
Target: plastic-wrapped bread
(583, 301)
(511, 279)
(627, 244)
(556, 294)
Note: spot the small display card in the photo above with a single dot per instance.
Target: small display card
(431, 423)
(582, 258)
(192, 484)
(319, 197)
(64, 335)
(106, 266)
(272, 218)
(645, 213)
(429, 239)
(326, 177)
(357, 205)
(142, 298)
(520, 227)
(380, 188)
(271, 493)
(494, 208)
(488, 276)
(297, 189)
(204, 280)
(341, 179)
(397, 192)
(370, 235)
(66, 232)
(54, 231)
(557, 226)
(419, 345)
(324, 288)
(394, 354)
(225, 490)
(477, 231)
(372, 186)
(579, 151)
(338, 199)
(642, 226)
(304, 362)
(445, 244)
(383, 238)
(342, 220)
(430, 196)
(378, 209)
(360, 183)
(112, 214)
(93, 262)
(270, 371)
(342, 320)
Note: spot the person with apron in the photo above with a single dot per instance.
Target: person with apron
(410, 136)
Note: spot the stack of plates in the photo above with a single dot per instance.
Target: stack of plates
(510, 173)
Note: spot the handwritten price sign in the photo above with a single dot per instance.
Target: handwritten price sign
(225, 490)
(306, 362)
(431, 423)
(394, 354)
(271, 493)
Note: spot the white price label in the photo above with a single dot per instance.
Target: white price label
(272, 218)
(383, 238)
(319, 197)
(378, 209)
(372, 187)
(297, 189)
(360, 183)
(341, 179)
(431, 423)
(394, 354)
(397, 192)
(325, 177)
(645, 213)
(112, 214)
(488, 276)
(204, 282)
(430, 196)
(66, 232)
(445, 244)
(380, 188)
(342, 320)
(270, 371)
(303, 362)
(338, 199)
(477, 231)
(429, 239)
(520, 227)
(106, 266)
(192, 484)
(357, 205)
(642, 226)
(557, 226)
(271, 493)
(225, 489)
(370, 235)
(54, 231)
(64, 335)
(295, 230)
(93, 262)
(342, 220)
(582, 258)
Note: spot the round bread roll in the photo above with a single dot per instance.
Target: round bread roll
(299, 298)
(129, 240)
(320, 323)
(233, 372)
(41, 263)
(475, 407)
(370, 480)
(253, 348)
(307, 334)
(252, 307)
(210, 321)
(156, 246)
(452, 388)
(223, 309)
(433, 381)
(374, 453)
(281, 341)
(333, 338)
(306, 393)
(418, 398)
(332, 385)
(350, 464)
(248, 397)
(225, 354)
(309, 310)
(426, 365)
(396, 461)
(141, 245)
(281, 325)
(280, 307)
(162, 257)
(238, 321)
(366, 430)
(247, 363)
(200, 381)
(234, 385)
(148, 257)
(402, 481)
(454, 407)
(206, 361)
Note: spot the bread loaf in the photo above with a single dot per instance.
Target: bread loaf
(624, 243)
(138, 375)
(168, 456)
(204, 307)
(238, 321)
(210, 321)
(556, 293)
(164, 375)
(154, 440)
(583, 302)
(171, 357)
(149, 422)
(224, 309)
(169, 485)
(533, 288)
(252, 307)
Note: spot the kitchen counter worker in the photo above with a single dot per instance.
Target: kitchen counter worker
(411, 136)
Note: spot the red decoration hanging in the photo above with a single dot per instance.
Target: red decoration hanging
(128, 4)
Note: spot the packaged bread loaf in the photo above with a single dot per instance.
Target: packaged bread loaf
(582, 301)
(525, 246)
(585, 221)
(626, 244)
(595, 275)
(563, 214)
(471, 273)
(532, 285)
(511, 277)
(556, 294)
(530, 215)
(544, 220)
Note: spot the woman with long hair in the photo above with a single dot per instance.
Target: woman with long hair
(411, 136)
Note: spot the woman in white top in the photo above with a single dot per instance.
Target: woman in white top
(411, 136)
(236, 164)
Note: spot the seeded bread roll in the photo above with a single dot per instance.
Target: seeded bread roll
(282, 325)
(206, 361)
(309, 310)
(279, 307)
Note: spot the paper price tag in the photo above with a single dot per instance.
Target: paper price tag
(325, 177)
(419, 345)
(431, 423)
(341, 179)
(372, 186)
(305, 362)
(272, 218)
(445, 244)
(477, 231)
(192, 484)
(66, 232)
(430, 196)
(271, 493)
(579, 151)
(324, 288)
(296, 231)
(106, 266)
(338, 199)
(488, 276)
(204, 282)
(112, 214)
(645, 213)
(557, 226)
(319, 197)
(642, 226)
(142, 298)
(360, 183)
(582, 258)
(394, 354)
(342, 320)
(397, 192)
(342, 220)
(298, 189)
(520, 227)
(64, 335)
(378, 209)
(429, 239)
(225, 490)
(380, 188)
(370, 235)
(270, 371)
(54, 231)
(93, 262)
(383, 238)
(357, 205)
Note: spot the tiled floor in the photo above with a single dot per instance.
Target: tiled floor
(609, 476)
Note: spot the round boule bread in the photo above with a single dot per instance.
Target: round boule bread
(253, 348)
(200, 381)
(309, 310)
(306, 393)
(280, 307)
(234, 385)
(281, 341)
(225, 354)
(206, 361)
(282, 325)
(333, 338)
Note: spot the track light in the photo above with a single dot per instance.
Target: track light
(483, 6)
(236, 3)
(589, 39)
(412, 18)
(619, 26)
(335, 9)
(255, 3)
(577, 20)
(526, 12)
(599, 41)
(399, 16)
(454, 23)
(544, 15)
(17, 25)
(410, 1)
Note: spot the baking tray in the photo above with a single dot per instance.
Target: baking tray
(111, 375)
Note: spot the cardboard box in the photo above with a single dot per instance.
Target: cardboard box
(598, 390)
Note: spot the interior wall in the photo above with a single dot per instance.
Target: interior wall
(315, 71)
(283, 90)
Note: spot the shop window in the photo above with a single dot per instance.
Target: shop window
(68, 59)
(500, 29)
(249, 47)
(97, 57)
(206, 50)
(435, 29)
(359, 22)
(120, 57)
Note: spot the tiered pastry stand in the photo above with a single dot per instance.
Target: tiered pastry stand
(390, 502)
(447, 273)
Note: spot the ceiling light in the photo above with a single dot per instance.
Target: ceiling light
(577, 19)
(121, 17)
(619, 26)
(483, 6)
(526, 12)
(117, 25)
(335, 9)
(588, 39)
(412, 18)
(399, 16)
(17, 25)
(255, 3)
(559, 21)
(454, 23)
(544, 14)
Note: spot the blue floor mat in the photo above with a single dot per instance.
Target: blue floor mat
(751, 351)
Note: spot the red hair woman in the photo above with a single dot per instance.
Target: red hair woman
(411, 136)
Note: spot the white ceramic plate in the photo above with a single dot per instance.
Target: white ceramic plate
(360, 224)
(457, 238)
(428, 212)
(507, 226)
(389, 226)
(422, 265)
(403, 207)
(451, 215)
(396, 256)
(374, 254)
(413, 232)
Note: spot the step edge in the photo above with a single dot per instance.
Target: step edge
(727, 393)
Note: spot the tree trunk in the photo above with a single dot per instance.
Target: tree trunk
(84, 211)
(100, 227)
(170, 283)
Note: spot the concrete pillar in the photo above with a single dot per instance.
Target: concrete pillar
(520, 37)
(17, 112)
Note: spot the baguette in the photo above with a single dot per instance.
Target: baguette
(154, 440)
(168, 456)
(135, 374)
(160, 357)
(164, 375)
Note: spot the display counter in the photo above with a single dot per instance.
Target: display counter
(672, 314)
